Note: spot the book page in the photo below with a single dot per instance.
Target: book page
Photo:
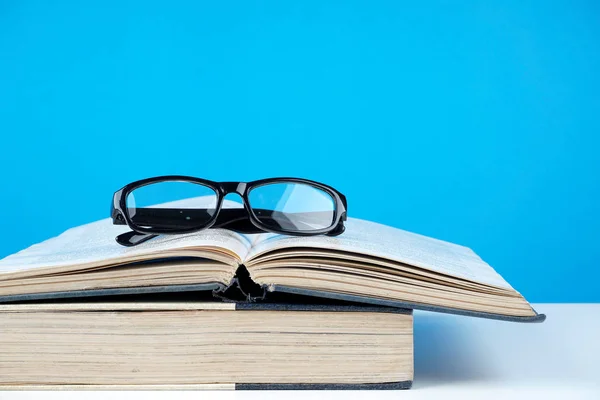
(373, 239)
(95, 243)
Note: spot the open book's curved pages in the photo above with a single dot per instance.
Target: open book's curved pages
(369, 263)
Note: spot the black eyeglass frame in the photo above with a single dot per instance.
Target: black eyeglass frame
(222, 189)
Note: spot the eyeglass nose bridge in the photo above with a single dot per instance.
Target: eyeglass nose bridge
(233, 187)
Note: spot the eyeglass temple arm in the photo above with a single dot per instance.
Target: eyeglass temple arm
(235, 219)
(133, 238)
(230, 218)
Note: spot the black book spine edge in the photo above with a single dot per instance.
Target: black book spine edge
(114, 291)
(325, 386)
(320, 307)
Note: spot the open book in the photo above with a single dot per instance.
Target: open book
(369, 263)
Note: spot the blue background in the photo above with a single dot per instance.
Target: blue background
(476, 122)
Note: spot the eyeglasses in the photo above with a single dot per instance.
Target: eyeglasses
(183, 204)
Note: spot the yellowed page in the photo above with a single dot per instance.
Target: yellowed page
(377, 240)
(94, 244)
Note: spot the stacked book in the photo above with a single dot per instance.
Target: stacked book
(218, 309)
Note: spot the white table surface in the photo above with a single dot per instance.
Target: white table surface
(462, 358)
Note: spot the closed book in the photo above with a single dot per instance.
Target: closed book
(204, 345)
